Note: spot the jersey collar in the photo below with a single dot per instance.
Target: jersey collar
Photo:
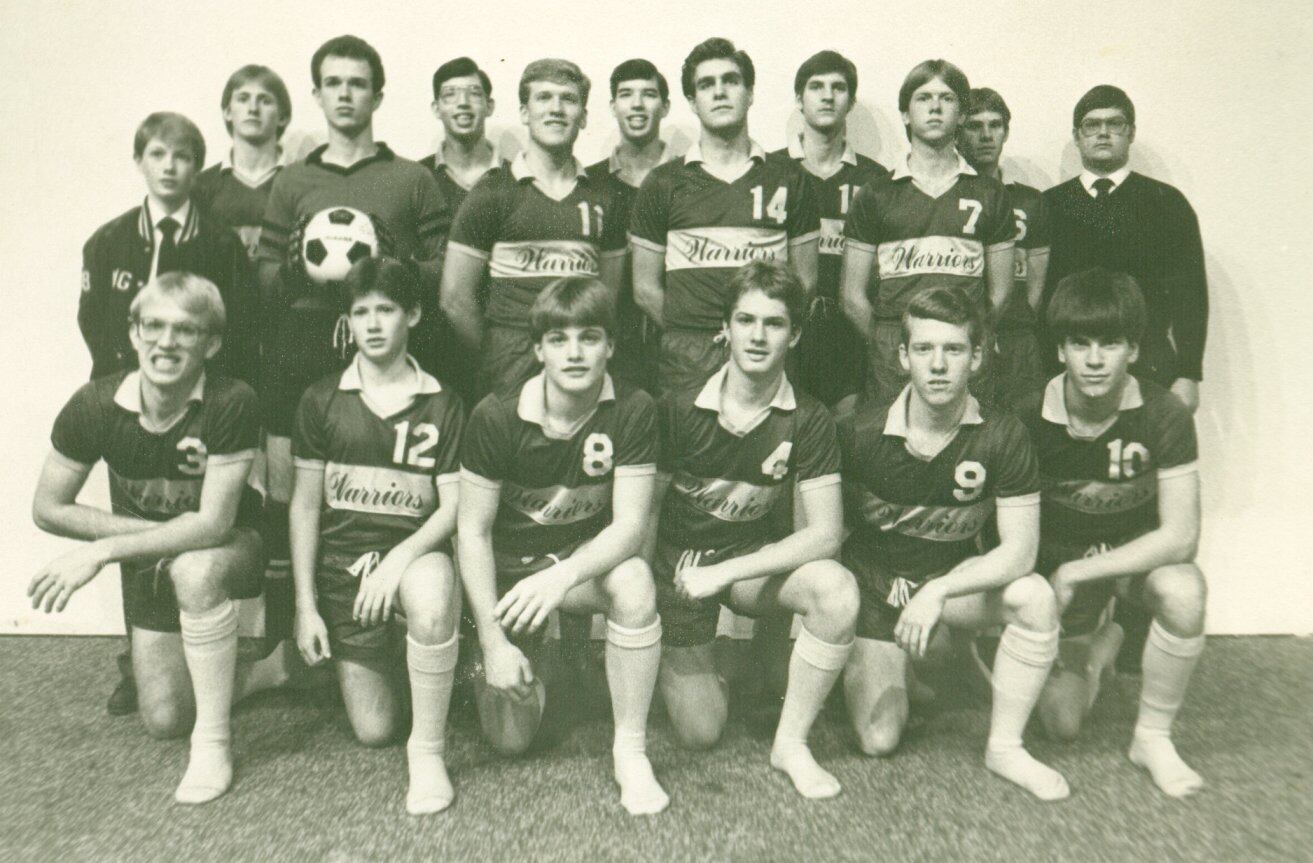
(712, 398)
(440, 161)
(382, 153)
(226, 166)
(849, 156)
(903, 168)
(521, 170)
(532, 405)
(128, 397)
(424, 383)
(186, 215)
(694, 153)
(895, 423)
(1054, 408)
(613, 165)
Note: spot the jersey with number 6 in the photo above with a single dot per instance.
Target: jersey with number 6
(383, 472)
(707, 228)
(913, 517)
(1105, 489)
(1032, 235)
(556, 489)
(921, 241)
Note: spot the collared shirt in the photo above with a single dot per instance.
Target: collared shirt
(128, 397)
(1055, 399)
(1088, 178)
(532, 406)
(896, 422)
(712, 398)
(280, 160)
(438, 161)
(796, 151)
(756, 155)
(616, 168)
(933, 186)
(185, 231)
(421, 384)
(521, 170)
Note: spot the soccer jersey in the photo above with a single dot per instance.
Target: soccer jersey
(384, 469)
(556, 489)
(923, 239)
(452, 191)
(1032, 237)
(913, 518)
(234, 202)
(157, 473)
(116, 263)
(1105, 489)
(726, 482)
(834, 197)
(707, 228)
(529, 239)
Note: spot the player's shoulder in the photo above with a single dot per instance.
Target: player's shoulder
(666, 173)
(1157, 190)
(1029, 408)
(498, 406)
(1002, 426)
(811, 410)
(1021, 194)
(99, 392)
(430, 162)
(599, 171)
(869, 168)
(1161, 406)
(1063, 191)
(631, 396)
(117, 227)
(979, 183)
(221, 390)
(865, 423)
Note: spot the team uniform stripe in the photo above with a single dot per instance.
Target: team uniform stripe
(472, 252)
(819, 482)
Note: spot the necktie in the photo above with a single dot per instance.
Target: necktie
(1102, 189)
(168, 259)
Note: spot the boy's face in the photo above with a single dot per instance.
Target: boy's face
(1097, 367)
(940, 359)
(760, 334)
(721, 97)
(462, 106)
(169, 169)
(172, 343)
(825, 101)
(639, 109)
(380, 327)
(554, 113)
(574, 358)
(1104, 138)
(253, 114)
(981, 138)
(346, 93)
(933, 112)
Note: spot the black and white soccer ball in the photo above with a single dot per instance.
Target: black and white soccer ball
(334, 239)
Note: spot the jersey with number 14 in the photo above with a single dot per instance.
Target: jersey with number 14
(707, 228)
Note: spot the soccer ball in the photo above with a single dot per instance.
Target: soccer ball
(335, 239)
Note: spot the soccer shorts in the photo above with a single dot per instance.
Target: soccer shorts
(688, 358)
(885, 377)
(829, 354)
(310, 342)
(149, 601)
(507, 359)
(1089, 605)
(688, 622)
(883, 595)
(1019, 370)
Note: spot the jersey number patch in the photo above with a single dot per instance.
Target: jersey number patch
(426, 438)
(1021, 225)
(1125, 461)
(970, 477)
(776, 464)
(193, 456)
(588, 220)
(975, 208)
(776, 209)
(599, 454)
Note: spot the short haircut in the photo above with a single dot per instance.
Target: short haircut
(394, 279)
(557, 72)
(716, 48)
(461, 67)
(1097, 303)
(353, 48)
(173, 129)
(266, 78)
(572, 301)
(197, 294)
(825, 63)
(639, 70)
(776, 280)
(928, 70)
(944, 304)
(987, 99)
(1103, 96)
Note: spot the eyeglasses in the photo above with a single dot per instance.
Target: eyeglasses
(1091, 127)
(184, 334)
(452, 95)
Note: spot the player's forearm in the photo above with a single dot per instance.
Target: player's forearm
(996, 568)
(813, 542)
(462, 311)
(78, 521)
(805, 261)
(1037, 268)
(478, 575)
(186, 532)
(303, 541)
(649, 295)
(1161, 547)
(613, 545)
(999, 276)
(436, 530)
(272, 292)
(856, 305)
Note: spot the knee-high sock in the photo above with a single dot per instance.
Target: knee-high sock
(1167, 664)
(432, 669)
(632, 659)
(209, 647)
(1020, 669)
(813, 668)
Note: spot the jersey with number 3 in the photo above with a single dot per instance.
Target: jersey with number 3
(920, 241)
(915, 518)
(556, 491)
(380, 472)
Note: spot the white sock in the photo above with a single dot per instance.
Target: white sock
(1166, 667)
(432, 669)
(813, 669)
(209, 647)
(632, 659)
(1020, 668)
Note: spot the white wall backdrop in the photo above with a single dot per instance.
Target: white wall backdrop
(1222, 93)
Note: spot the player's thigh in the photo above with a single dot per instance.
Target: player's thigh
(234, 570)
(694, 694)
(875, 687)
(369, 692)
(430, 597)
(1027, 602)
(165, 700)
(822, 587)
(626, 594)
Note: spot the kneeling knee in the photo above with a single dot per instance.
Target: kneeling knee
(374, 734)
(879, 740)
(701, 734)
(165, 722)
(1060, 721)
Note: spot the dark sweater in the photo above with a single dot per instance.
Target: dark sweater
(1147, 229)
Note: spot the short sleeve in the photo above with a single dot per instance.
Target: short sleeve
(485, 444)
(1014, 465)
(279, 218)
(1038, 235)
(478, 221)
(451, 428)
(803, 218)
(233, 423)
(614, 223)
(636, 431)
(78, 431)
(309, 441)
(650, 217)
(998, 226)
(816, 448)
(433, 216)
(861, 228)
(1174, 444)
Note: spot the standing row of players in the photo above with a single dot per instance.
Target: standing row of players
(693, 222)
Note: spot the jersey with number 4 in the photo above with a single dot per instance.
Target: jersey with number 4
(915, 518)
(1032, 233)
(707, 228)
(556, 490)
(1105, 489)
(381, 472)
(920, 241)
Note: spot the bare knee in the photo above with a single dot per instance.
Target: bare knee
(374, 732)
(197, 580)
(700, 729)
(632, 594)
(1178, 595)
(880, 738)
(1030, 604)
(832, 596)
(165, 721)
(1059, 713)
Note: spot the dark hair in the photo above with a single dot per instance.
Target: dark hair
(266, 78)
(1103, 96)
(572, 301)
(715, 48)
(557, 72)
(986, 99)
(776, 280)
(353, 48)
(639, 70)
(824, 63)
(1097, 303)
(928, 70)
(461, 67)
(394, 279)
(172, 128)
(943, 304)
